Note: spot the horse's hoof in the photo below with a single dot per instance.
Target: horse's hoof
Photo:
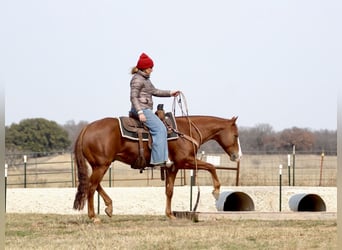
(109, 212)
(216, 194)
(171, 217)
(96, 220)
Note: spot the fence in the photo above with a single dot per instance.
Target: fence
(58, 170)
(299, 170)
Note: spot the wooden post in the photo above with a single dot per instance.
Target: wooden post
(237, 173)
(321, 169)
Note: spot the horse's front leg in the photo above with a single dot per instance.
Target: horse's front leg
(169, 185)
(216, 183)
(201, 165)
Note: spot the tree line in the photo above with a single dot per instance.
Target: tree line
(41, 135)
(262, 139)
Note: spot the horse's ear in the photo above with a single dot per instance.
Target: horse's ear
(234, 118)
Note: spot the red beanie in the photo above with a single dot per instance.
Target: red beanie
(144, 62)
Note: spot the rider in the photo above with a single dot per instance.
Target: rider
(142, 91)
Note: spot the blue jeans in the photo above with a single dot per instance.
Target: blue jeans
(158, 132)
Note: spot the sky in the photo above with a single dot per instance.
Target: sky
(268, 62)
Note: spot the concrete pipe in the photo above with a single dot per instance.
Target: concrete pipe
(234, 201)
(307, 202)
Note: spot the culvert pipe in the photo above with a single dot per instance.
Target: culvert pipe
(307, 203)
(234, 201)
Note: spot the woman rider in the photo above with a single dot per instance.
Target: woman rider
(141, 94)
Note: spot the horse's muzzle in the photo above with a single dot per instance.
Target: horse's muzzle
(235, 157)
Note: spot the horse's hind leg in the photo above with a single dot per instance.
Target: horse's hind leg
(169, 185)
(91, 211)
(107, 200)
(94, 181)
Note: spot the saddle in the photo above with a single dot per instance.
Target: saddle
(133, 129)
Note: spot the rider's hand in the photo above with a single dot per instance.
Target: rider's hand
(142, 117)
(175, 93)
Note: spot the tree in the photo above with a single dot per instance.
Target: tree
(326, 141)
(36, 135)
(258, 138)
(74, 129)
(303, 139)
(262, 139)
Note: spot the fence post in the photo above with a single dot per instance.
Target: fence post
(25, 162)
(110, 175)
(73, 182)
(6, 167)
(280, 174)
(321, 171)
(191, 184)
(289, 168)
(293, 164)
(98, 203)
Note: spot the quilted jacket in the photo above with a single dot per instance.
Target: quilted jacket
(142, 91)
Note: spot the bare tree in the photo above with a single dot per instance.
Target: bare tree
(74, 129)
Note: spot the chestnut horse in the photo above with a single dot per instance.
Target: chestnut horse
(100, 143)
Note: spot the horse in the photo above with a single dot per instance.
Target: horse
(100, 143)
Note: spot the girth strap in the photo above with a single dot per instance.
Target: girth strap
(141, 145)
(140, 162)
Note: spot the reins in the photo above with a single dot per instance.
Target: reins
(178, 99)
(186, 114)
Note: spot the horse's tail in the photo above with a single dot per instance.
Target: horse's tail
(82, 171)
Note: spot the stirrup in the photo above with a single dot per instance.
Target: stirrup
(169, 163)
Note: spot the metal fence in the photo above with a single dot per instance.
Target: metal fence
(58, 170)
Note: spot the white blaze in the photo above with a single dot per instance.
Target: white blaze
(240, 152)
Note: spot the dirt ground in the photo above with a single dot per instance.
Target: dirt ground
(151, 201)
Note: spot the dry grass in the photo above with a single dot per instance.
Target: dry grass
(37, 231)
(41, 231)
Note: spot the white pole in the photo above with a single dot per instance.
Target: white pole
(289, 168)
(25, 161)
(6, 167)
(280, 173)
(202, 155)
(293, 164)
(191, 184)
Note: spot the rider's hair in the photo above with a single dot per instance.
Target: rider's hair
(134, 70)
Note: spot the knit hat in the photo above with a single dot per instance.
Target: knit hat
(144, 62)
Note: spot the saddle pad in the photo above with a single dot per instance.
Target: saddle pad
(129, 127)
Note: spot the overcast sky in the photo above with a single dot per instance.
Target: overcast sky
(273, 62)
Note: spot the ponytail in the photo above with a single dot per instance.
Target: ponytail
(134, 70)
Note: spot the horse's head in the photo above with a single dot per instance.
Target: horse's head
(229, 140)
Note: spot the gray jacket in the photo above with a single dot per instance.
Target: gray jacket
(142, 91)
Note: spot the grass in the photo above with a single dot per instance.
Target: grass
(50, 231)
